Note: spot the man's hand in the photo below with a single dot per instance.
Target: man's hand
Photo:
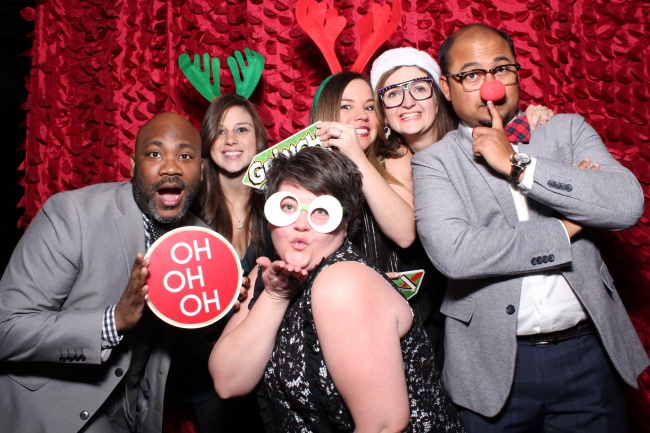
(573, 228)
(243, 292)
(492, 143)
(584, 165)
(128, 311)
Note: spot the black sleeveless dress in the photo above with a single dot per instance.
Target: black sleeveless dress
(301, 392)
(389, 257)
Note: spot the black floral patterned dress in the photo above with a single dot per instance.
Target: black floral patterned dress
(301, 392)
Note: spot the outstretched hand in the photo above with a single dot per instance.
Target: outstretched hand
(128, 311)
(492, 144)
(281, 280)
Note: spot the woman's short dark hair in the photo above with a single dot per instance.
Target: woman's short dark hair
(321, 171)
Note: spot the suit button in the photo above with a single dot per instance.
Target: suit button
(510, 309)
(539, 260)
(84, 415)
(533, 261)
(551, 258)
(545, 259)
(569, 188)
(61, 358)
(119, 372)
(551, 183)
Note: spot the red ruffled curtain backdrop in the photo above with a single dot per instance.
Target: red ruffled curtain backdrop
(101, 68)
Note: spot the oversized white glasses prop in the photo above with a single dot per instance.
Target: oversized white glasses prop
(276, 214)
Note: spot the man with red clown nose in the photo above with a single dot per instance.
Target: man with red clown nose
(537, 338)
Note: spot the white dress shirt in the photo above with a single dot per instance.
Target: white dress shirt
(547, 302)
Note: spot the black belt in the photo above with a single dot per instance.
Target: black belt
(585, 327)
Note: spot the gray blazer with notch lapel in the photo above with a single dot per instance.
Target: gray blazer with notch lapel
(468, 223)
(74, 260)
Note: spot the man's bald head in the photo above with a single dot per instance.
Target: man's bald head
(470, 30)
(170, 119)
(166, 167)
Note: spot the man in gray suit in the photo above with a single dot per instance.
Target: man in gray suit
(536, 336)
(78, 348)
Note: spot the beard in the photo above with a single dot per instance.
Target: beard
(144, 197)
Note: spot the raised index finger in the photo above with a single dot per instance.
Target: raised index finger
(497, 122)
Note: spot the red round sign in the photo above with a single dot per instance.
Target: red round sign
(194, 277)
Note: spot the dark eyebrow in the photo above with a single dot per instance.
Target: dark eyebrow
(352, 100)
(467, 65)
(185, 146)
(237, 124)
(160, 144)
(474, 64)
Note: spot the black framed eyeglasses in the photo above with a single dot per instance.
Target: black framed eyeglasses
(474, 79)
(419, 88)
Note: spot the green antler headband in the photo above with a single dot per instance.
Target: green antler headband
(246, 74)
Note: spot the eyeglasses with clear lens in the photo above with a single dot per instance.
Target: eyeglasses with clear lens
(474, 79)
(324, 214)
(420, 89)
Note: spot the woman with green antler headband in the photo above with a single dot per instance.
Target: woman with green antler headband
(232, 133)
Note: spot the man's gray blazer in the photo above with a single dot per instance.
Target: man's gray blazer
(74, 260)
(468, 224)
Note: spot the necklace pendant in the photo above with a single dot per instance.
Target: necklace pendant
(239, 225)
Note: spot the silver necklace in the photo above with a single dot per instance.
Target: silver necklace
(239, 223)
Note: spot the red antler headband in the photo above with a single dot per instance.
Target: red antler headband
(324, 26)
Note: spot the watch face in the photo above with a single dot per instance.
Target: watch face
(521, 159)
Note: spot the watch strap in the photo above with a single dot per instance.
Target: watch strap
(515, 172)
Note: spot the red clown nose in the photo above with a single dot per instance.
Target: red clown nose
(493, 90)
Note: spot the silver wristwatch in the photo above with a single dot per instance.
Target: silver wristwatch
(519, 163)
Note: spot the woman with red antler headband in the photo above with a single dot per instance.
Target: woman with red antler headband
(345, 100)
(346, 106)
